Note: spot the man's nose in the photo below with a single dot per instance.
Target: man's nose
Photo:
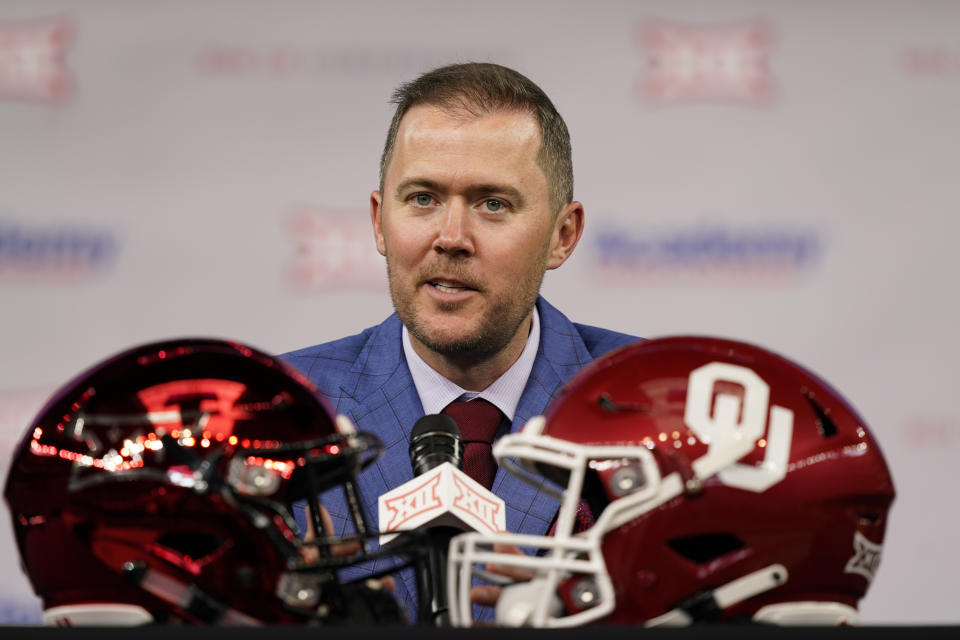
(454, 236)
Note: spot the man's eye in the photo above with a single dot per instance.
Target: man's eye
(493, 205)
(423, 199)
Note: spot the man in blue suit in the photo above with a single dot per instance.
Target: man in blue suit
(475, 203)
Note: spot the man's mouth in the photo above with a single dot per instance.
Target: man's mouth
(450, 286)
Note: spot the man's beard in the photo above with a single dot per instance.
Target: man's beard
(503, 319)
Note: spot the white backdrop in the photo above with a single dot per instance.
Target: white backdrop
(783, 173)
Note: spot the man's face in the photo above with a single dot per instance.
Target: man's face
(465, 224)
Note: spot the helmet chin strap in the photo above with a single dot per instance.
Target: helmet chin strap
(707, 605)
(808, 613)
(187, 597)
(97, 614)
(520, 601)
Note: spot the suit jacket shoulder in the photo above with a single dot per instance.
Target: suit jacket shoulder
(339, 367)
(601, 341)
(569, 340)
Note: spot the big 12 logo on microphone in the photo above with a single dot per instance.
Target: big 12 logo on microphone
(442, 497)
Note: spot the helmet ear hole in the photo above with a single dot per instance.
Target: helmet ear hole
(557, 475)
(594, 493)
(701, 549)
(191, 544)
(825, 424)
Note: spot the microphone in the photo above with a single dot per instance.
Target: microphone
(435, 439)
(442, 501)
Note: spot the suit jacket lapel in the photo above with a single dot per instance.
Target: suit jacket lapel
(380, 397)
(560, 355)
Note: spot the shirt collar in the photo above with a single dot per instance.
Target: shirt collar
(436, 392)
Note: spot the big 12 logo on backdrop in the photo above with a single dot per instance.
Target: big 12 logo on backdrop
(33, 59)
(333, 250)
(706, 62)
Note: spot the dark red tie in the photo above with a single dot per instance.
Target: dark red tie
(478, 421)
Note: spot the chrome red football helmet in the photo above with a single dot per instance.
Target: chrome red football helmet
(727, 483)
(158, 486)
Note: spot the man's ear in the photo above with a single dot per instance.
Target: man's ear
(566, 234)
(376, 202)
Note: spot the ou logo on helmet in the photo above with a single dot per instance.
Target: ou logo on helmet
(732, 428)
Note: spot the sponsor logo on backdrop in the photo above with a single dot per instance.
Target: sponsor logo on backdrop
(706, 62)
(33, 59)
(54, 253)
(238, 59)
(931, 61)
(333, 249)
(705, 252)
(24, 609)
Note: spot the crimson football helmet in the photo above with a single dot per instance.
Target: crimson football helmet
(158, 485)
(726, 483)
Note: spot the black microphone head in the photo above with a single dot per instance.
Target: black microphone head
(435, 422)
(435, 439)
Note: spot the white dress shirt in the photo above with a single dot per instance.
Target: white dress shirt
(436, 392)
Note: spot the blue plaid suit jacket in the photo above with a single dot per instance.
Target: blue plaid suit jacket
(366, 378)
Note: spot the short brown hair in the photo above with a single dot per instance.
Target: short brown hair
(479, 88)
